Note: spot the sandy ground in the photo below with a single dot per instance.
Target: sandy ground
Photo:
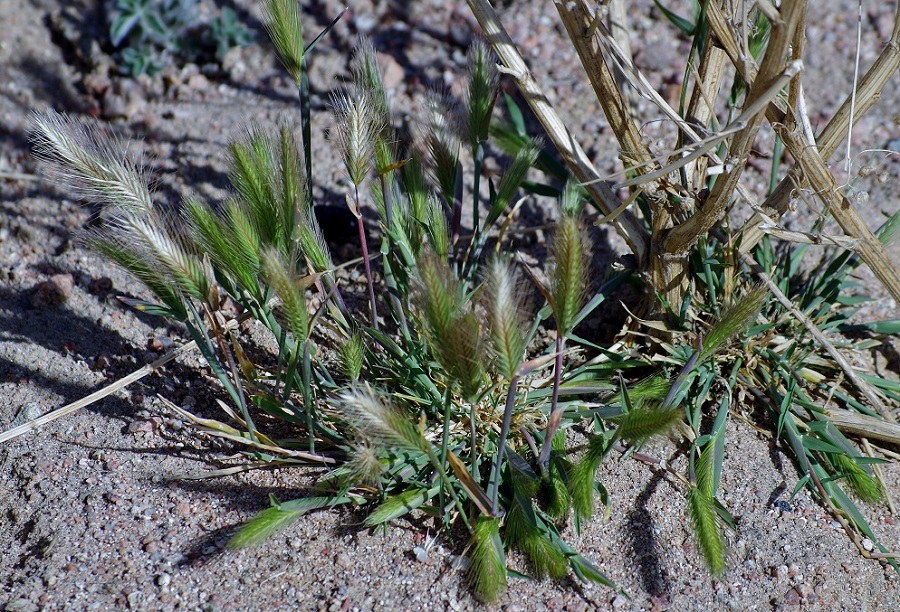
(95, 509)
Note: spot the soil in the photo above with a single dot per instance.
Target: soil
(97, 508)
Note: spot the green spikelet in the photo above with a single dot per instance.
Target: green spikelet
(545, 558)
(511, 180)
(569, 271)
(398, 505)
(502, 304)
(487, 572)
(312, 242)
(703, 471)
(260, 527)
(253, 171)
(581, 484)
(556, 490)
(437, 226)
(278, 517)
(417, 194)
(737, 318)
(455, 335)
(482, 92)
(137, 264)
(246, 243)
(572, 200)
(642, 423)
(367, 81)
(293, 300)
(294, 191)
(440, 293)
(443, 146)
(707, 530)
(353, 356)
(285, 28)
(649, 389)
(461, 352)
(866, 487)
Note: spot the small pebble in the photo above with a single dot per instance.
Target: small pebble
(53, 292)
(792, 597)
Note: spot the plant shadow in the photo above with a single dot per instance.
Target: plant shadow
(645, 549)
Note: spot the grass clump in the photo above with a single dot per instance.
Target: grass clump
(444, 399)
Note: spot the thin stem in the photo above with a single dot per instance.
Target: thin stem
(555, 414)
(368, 266)
(306, 375)
(501, 443)
(306, 123)
(445, 441)
(239, 388)
(478, 155)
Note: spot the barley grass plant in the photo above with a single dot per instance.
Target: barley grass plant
(756, 323)
(444, 398)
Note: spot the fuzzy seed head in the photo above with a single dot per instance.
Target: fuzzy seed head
(502, 301)
(484, 81)
(353, 355)
(285, 27)
(377, 422)
(443, 145)
(570, 263)
(291, 293)
(355, 135)
(94, 167)
(368, 82)
(437, 226)
(740, 315)
(364, 464)
(866, 487)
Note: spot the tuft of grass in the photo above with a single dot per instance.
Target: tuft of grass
(451, 403)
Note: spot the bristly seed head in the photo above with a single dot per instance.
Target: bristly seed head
(570, 264)
(285, 27)
(357, 128)
(95, 168)
(443, 145)
(502, 301)
(377, 422)
(484, 82)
